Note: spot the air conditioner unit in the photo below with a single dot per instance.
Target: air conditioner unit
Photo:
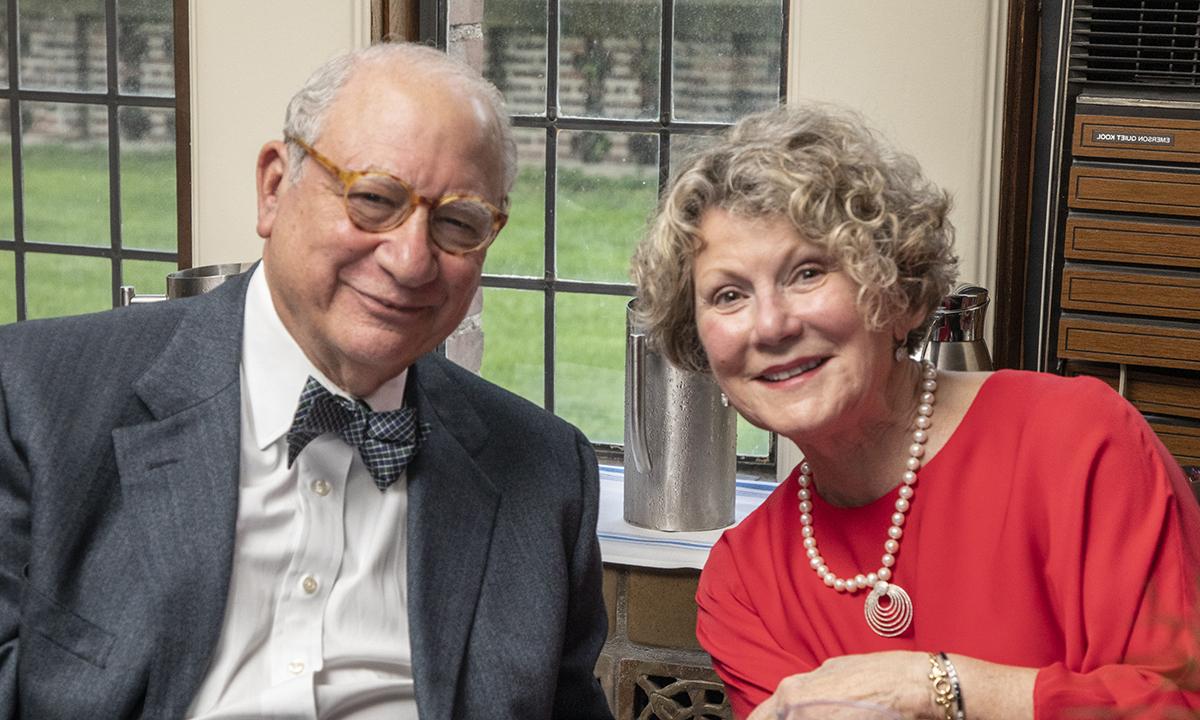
(1114, 271)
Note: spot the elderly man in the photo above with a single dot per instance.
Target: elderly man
(275, 500)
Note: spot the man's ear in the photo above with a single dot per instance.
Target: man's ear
(270, 181)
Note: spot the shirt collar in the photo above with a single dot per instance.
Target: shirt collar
(275, 369)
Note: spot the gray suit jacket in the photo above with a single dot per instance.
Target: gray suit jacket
(118, 500)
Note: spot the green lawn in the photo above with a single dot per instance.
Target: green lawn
(67, 202)
(599, 219)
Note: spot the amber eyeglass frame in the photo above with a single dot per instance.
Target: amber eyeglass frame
(349, 177)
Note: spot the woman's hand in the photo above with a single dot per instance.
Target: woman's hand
(899, 681)
(896, 680)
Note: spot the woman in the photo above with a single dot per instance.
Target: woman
(955, 545)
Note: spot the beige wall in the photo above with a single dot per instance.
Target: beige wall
(247, 58)
(929, 75)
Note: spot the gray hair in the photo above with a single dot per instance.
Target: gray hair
(308, 107)
(840, 186)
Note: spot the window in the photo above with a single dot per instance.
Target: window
(605, 94)
(88, 121)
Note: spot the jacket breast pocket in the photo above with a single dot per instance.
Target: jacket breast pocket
(55, 622)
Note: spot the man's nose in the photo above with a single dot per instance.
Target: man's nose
(408, 253)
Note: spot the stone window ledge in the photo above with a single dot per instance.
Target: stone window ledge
(624, 544)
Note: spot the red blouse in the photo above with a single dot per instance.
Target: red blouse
(1053, 530)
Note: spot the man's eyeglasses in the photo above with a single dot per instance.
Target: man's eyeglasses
(376, 202)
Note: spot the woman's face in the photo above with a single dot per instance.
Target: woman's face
(782, 330)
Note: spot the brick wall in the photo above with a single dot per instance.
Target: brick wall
(714, 80)
(68, 53)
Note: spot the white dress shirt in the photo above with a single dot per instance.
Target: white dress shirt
(316, 624)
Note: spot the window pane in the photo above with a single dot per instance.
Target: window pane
(8, 288)
(514, 56)
(63, 45)
(513, 341)
(65, 154)
(589, 373)
(684, 146)
(727, 58)
(609, 58)
(148, 219)
(607, 188)
(145, 48)
(66, 284)
(4, 48)
(6, 187)
(519, 250)
(752, 441)
(146, 276)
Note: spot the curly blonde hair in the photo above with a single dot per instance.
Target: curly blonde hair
(867, 206)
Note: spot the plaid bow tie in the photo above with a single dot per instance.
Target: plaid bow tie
(386, 441)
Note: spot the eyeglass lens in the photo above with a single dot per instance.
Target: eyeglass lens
(376, 202)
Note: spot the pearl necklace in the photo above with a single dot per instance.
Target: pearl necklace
(893, 617)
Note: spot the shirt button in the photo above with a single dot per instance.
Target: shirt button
(295, 667)
(309, 583)
(320, 487)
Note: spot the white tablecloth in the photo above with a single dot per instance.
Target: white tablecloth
(627, 544)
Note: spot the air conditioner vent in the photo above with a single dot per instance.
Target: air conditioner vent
(1153, 43)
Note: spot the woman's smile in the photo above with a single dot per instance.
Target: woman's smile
(779, 373)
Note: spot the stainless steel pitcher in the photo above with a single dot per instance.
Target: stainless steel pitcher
(680, 443)
(185, 283)
(956, 337)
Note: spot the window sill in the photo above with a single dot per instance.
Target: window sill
(625, 544)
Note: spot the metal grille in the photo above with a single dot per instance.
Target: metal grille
(1152, 43)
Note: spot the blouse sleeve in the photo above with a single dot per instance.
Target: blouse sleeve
(745, 655)
(1126, 570)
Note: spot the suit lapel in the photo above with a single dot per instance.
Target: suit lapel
(452, 511)
(179, 477)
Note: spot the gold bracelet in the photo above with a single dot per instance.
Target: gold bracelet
(943, 690)
(960, 708)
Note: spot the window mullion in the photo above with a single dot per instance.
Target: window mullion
(550, 267)
(114, 145)
(14, 133)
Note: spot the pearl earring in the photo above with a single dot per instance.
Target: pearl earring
(724, 400)
(901, 353)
